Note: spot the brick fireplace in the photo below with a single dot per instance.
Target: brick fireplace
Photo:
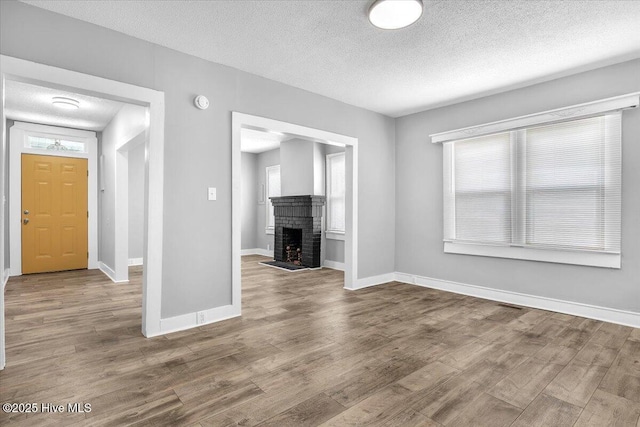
(298, 224)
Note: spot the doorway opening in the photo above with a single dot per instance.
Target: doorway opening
(49, 200)
(260, 196)
(17, 70)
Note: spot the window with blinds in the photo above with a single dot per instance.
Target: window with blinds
(273, 190)
(547, 192)
(336, 193)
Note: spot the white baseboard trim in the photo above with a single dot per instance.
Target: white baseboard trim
(366, 282)
(135, 261)
(621, 317)
(110, 273)
(190, 320)
(334, 264)
(256, 251)
(5, 278)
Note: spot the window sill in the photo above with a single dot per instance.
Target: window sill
(269, 231)
(594, 259)
(334, 235)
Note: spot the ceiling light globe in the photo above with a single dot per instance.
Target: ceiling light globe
(66, 103)
(394, 14)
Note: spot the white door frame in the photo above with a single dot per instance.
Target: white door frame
(240, 120)
(26, 71)
(121, 219)
(19, 133)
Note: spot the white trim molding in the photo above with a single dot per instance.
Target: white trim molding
(604, 314)
(240, 121)
(18, 135)
(575, 257)
(256, 251)
(190, 320)
(121, 199)
(333, 232)
(44, 75)
(333, 264)
(269, 210)
(367, 282)
(110, 273)
(5, 278)
(135, 261)
(334, 235)
(631, 100)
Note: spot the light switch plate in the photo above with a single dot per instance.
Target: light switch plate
(212, 193)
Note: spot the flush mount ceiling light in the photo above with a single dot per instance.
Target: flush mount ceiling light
(395, 14)
(66, 103)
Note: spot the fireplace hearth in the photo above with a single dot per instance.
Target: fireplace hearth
(298, 229)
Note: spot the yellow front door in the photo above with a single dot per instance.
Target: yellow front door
(54, 213)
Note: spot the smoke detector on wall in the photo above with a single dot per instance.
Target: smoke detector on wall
(201, 102)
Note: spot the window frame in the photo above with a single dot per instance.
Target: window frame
(520, 205)
(270, 229)
(55, 138)
(330, 232)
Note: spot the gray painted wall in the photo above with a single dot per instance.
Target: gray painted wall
(297, 167)
(264, 159)
(107, 198)
(197, 260)
(249, 200)
(125, 126)
(136, 201)
(419, 225)
(100, 186)
(333, 249)
(319, 162)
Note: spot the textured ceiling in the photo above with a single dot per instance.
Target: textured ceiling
(31, 103)
(458, 50)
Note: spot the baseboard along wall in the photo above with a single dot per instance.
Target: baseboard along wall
(110, 273)
(621, 317)
(199, 318)
(256, 251)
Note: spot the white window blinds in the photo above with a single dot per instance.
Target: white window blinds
(554, 186)
(273, 190)
(572, 184)
(480, 189)
(336, 192)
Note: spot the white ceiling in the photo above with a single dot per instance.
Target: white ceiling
(31, 103)
(257, 141)
(459, 50)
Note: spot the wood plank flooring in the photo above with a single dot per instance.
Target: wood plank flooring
(307, 352)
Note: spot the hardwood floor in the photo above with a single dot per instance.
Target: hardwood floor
(307, 352)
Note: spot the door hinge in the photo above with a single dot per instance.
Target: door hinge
(87, 214)
(87, 173)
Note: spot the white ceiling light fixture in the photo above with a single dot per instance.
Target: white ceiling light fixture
(395, 14)
(66, 103)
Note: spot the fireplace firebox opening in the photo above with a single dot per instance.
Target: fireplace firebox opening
(292, 242)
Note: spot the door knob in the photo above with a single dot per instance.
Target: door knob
(25, 221)
(26, 211)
